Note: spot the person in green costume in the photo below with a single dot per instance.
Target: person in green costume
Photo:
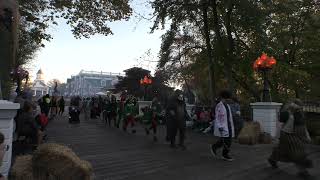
(130, 112)
(149, 121)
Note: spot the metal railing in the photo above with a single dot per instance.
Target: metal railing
(311, 106)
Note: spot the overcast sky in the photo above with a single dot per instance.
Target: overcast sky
(64, 55)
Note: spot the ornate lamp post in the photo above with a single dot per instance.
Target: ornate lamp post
(18, 75)
(264, 64)
(145, 82)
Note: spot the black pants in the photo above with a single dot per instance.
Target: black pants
(173, 133)
(111, 116)
(224, 142)
(182, 131)
(61, 110)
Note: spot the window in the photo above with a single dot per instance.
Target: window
(103, 83)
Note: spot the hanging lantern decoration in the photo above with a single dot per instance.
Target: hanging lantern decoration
(264, 62)
(146, 81)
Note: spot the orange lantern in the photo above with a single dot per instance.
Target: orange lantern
(264, 62)
(264, 57)
(146, 80)
(272, 61)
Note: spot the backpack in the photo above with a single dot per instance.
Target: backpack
(43, 120)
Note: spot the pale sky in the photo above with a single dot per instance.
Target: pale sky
(64, 55)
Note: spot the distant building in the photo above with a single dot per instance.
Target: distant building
(88, 83)
(39, 86)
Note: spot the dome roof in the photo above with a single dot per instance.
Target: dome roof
(40, 72)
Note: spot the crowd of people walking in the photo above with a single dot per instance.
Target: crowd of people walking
(123, 113)
(223, 120)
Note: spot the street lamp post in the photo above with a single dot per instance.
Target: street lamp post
(264, 64)
(145, 82)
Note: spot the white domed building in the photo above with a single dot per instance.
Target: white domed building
(39, 86)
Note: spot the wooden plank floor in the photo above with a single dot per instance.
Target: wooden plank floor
(113, 153)
(116, 155)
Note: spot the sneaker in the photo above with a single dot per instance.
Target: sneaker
(273, 163)
(213, 151)
(227, 158)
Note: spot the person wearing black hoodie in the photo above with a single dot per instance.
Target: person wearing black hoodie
(176, 120)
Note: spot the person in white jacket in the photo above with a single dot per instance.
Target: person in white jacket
(223, 127)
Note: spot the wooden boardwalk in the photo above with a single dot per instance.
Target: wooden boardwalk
(113, 153)
(116, 155)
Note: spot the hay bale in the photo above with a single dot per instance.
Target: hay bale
(59, 162)
(22, 168)
(250, 133)
(265, 138)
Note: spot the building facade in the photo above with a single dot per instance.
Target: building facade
(39, 87)
(88, 83)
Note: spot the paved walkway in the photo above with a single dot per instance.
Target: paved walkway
(116, 155)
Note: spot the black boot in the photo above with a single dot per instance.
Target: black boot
(273, 163)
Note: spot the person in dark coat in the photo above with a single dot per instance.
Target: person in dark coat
(27, 125)
(54, 106)
(176, 120)
(46, 101)
(113, 111)
(61, 105)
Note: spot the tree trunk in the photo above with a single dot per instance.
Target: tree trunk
(226, 59)
(206, 31)
(8, 43)
(231, 48)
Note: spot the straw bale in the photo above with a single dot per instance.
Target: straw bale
(250, 133)
(60, 162)
(22, 168)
